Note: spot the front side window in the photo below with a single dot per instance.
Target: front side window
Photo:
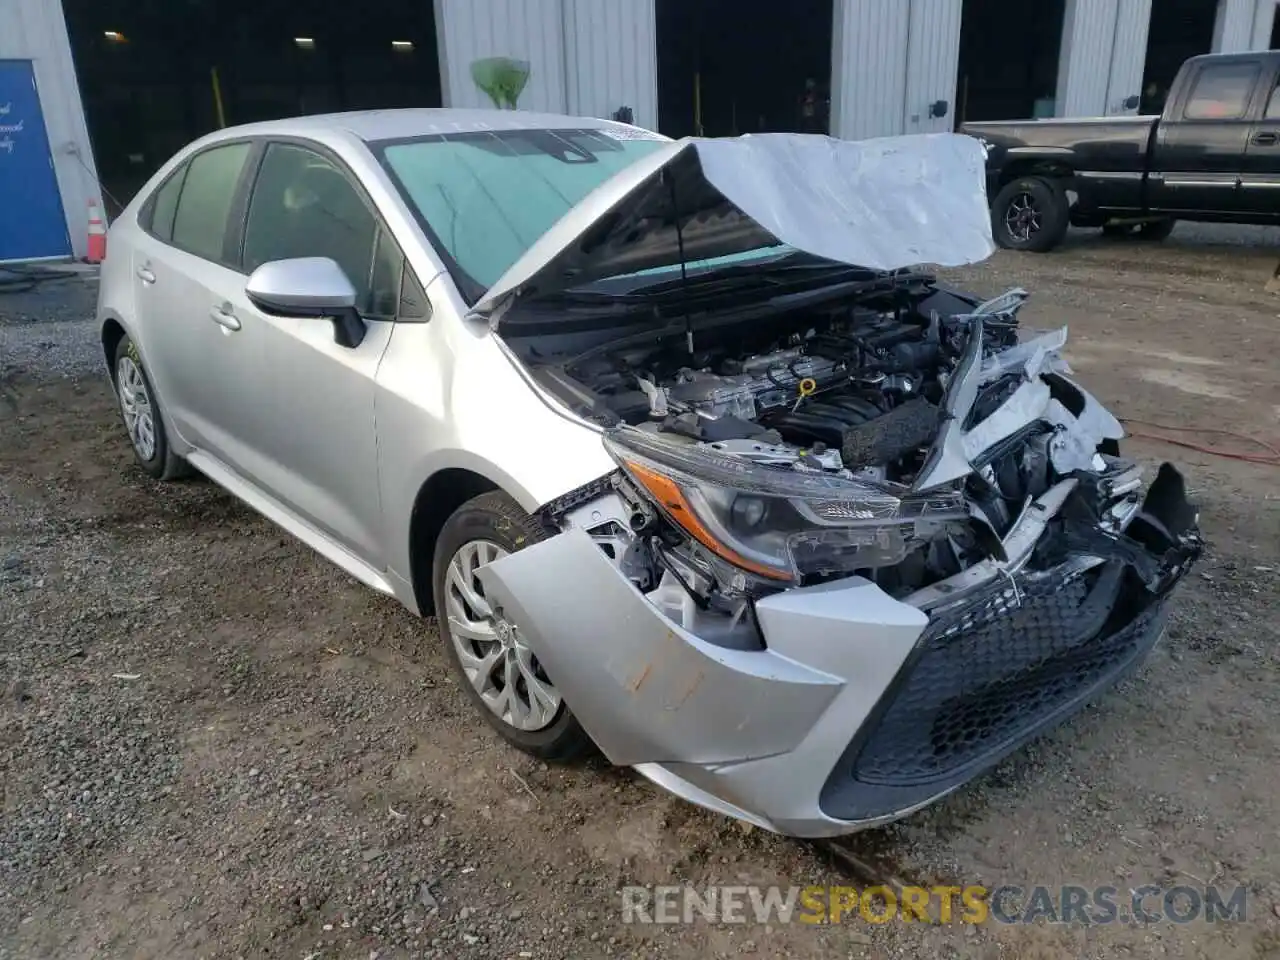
(1222, 92)
(487, 197)
(208, 191)
(305, 206)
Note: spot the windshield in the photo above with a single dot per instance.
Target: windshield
(484, 198)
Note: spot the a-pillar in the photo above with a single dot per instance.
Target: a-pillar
(1103, 53)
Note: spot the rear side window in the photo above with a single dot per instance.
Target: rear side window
(1222, 92)
(200, 223)
(164, 205)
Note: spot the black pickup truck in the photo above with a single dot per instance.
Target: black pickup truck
(1214, 154)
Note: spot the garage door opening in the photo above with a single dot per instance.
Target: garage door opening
(156, 74)
(1009, 53)
(1179, 29)
(727, 67)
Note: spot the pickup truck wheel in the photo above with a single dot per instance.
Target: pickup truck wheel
(1157, 230)
(498, 671)
(1031, 213)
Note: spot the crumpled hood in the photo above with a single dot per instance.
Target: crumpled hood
(882, 204)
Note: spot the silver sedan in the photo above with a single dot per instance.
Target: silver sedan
(690, 459)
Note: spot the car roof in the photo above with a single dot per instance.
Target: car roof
(372, 125)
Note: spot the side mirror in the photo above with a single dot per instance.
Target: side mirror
(308, 287)
(938, 109)
(1131, 103)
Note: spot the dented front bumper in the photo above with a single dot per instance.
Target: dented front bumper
(860, 708)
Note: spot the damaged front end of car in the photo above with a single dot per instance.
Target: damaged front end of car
(853, 553)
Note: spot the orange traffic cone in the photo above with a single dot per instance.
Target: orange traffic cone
(97, 251)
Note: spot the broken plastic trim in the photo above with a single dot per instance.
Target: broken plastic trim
(947, 461)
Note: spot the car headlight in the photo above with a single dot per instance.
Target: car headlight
(780, 524)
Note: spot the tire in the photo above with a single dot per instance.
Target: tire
(1031, 214)
(140, 412)
(1157, 230)
(494, 520)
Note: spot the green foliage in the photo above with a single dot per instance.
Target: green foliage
(502, 78)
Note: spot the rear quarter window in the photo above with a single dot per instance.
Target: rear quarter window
(157, 219)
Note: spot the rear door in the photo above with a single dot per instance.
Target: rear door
(185, 270)
(1260, 170)
(1200, 145)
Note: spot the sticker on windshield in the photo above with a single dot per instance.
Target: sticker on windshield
(623, 132)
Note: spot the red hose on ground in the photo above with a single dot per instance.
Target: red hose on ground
(1271, 459)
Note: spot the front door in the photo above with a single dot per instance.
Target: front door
(33, 225)
(314, 442)
(1195, 166)
(1260, 171)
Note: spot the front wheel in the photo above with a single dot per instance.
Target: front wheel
(1031, 214)
(499, 672)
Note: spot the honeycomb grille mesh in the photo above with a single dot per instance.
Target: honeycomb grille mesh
(995, 668)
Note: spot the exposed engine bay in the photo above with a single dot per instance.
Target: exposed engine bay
(908, 434)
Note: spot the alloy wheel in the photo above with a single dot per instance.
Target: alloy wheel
(1022, 217)
(494, 657)
(135, 405)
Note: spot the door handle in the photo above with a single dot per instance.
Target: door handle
(224, 318)
(146, 275)
(1267, 139)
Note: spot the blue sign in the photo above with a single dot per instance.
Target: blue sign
(32, 224)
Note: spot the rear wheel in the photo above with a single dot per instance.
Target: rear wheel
(499, 672)
(1031, 214)
(140, 412)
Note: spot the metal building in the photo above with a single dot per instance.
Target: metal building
(47, 176)
(895, 66)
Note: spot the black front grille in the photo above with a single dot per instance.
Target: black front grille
(988, 674)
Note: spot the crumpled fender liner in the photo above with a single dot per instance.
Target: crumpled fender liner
(644, 689)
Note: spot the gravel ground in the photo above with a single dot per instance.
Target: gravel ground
(215, 744)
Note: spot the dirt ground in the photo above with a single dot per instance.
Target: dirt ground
(215, 744)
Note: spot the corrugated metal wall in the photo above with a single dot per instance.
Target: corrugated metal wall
(1263, 21)
(1103, 53)
(35, 30)
(1088, 32)
(891, 59)
(532, 30)
(1233, 26)
(611, 58)
(933, 55)
(868, 67)
(1128, 55)
(586, 56)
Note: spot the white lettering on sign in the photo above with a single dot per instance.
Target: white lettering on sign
(4, 111)
(6, 145)
(12, 127)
